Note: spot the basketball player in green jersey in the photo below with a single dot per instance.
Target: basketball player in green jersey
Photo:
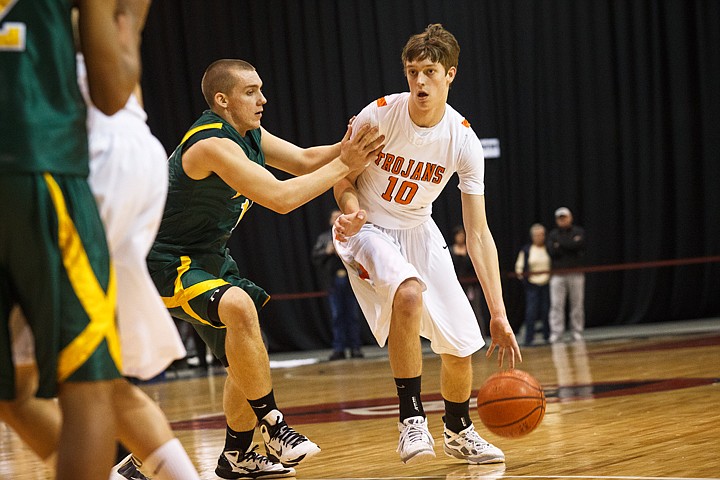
(54, 261)
(216, 173)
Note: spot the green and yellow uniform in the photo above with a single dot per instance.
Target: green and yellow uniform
(54, 260)
(189, 260)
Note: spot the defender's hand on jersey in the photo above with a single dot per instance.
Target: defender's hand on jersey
(504, 340)
(359, 149)
(347, 225)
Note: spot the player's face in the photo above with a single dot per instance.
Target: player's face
(245, 102)
(429, 83)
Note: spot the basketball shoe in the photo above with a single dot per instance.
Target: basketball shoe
(468, 445)
(250, 465)
(282, 443)
(127, 469)
(415, 443)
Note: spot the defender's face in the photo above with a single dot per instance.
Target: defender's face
(244, 103)
(429, 83)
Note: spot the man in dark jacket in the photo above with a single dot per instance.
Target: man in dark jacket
(566, 245)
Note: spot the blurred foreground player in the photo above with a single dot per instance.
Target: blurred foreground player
(139, 421)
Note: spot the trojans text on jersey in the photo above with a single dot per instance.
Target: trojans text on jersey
(422, 171)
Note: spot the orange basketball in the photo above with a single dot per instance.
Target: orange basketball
(511, 403)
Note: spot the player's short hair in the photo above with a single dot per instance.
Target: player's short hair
(436, 44)
(220, 77)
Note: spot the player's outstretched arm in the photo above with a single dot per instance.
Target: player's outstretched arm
(285, 156)
(290, 158)
(225, 158)
(483, 253)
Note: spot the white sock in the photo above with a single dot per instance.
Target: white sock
(169, 462)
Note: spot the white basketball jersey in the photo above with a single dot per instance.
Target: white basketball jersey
(398, 189)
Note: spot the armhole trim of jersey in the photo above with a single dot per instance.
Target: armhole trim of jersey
(200, 128)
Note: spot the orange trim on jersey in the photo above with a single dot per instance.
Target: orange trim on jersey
(465, 123)
(381, 102)
(363, 273)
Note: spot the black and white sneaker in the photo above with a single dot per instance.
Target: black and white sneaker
(282, 443)
(415, 443)
(250, 465)
(470, 446)
(128, 468)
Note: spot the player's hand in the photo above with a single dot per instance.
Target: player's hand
(347, 225)
(504, 340)
(358, 150)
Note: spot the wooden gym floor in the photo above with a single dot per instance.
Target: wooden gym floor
(634, 402)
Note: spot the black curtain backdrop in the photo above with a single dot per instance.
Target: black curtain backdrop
(611, 108)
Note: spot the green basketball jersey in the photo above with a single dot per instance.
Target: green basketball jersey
(201, 214)
(42, 114)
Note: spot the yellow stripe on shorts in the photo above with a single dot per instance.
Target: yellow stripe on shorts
(98, 304)
(182, 296)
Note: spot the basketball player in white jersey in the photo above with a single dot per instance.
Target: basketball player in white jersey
(399, 264)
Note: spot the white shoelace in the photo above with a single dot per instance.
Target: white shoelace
(472, 438)
(415, 432)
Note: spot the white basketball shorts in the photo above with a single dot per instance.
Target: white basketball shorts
(379, 260)
(129, 179)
